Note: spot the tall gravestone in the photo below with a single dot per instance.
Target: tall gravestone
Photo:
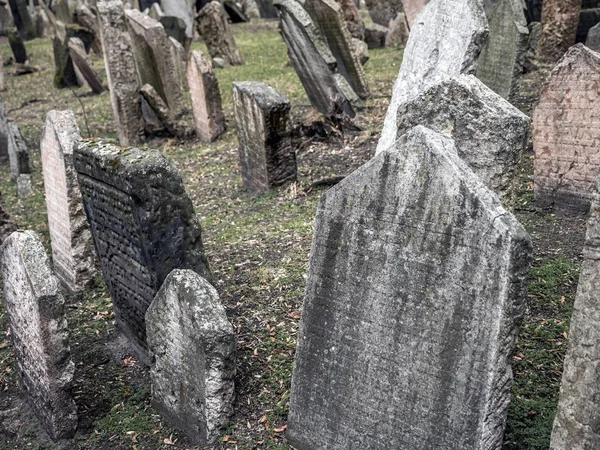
(193, 347)
(415, 292)
(216, 33)
(121, 72)
(565, 132)
(445, 42)
(73, 254)
(412, 9)
(143, 224)
(559, 28)
(501, 60)
(39, 332)
(17, 46)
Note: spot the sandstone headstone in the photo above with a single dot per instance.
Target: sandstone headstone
(39, 333)
(327, 90)
(489, 133)
(209, 119)
(559, 27)
(24, 186)
(73, 254)
(412, 9)
(593, 38)
(375, 35)
(565, 132)
(354, 21)
(181, 9)
(121, 72)
(415, 292)
(267, 157)
(18, 154)
(445, 42)
(216, 33)
(193, 347)
(501, 60)
(16, 45)
(22, 19)
(83, 65)
(382, 11)
(143, 224)
(398, 32)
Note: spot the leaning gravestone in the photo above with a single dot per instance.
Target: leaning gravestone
(17, 46)
(143, 224)
(216, 33)
(267, 157)
(593, 38)
(183, 10)
(501, 60)
(121, 72)
(193, 348)
(412, 8)
(559, 28)
(18, 155)
(398, 32)
(209, 119)
(565, 128)
(83, 65)
(445, 42)
(39, 332)
(73, 254)
(354, 21)
(415, 293)
(489, 133)
(86, 18)
(22, 19)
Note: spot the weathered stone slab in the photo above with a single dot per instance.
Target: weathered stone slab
(22, 19)
(7, 226)
(209, 119)
(412, 8)
(1, 74)
(181, 9)
(445, 42)
(354, 21)
(489, 133)
(559, 28)
(234, 12)
(121, 72)
(216, 33)
(18, 155)
(375, 35)
(86, 18)
(162, 111)
(175, 28)
(6, 20)
(83, 65)
(267, 9)
(565, 133)
(382, 11)
(415, 292)
(251, 9)
(4, 134)
(501, 60)
(73, 253)
(193, 347)
(24, 186)
(39, 333)
(65, 74)
(588, 17)
(267, 158)
(398, 32)
(17, 46)
(329, 18)
(593, 38)
(362, 50)
(313, 61)
(143, 224)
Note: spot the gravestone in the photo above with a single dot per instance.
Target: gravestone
(375, 35)
(593, 38)
(327, 90)
(24, 186)
(86, 18)
(251, 9)
(183, 10)
(4, 134)
(17, 46)
(565, 132)
(501, 60)
(65, 74)
(354, 21)
(6, 20)
(382, 11)
(414, 262)
(73, 254)
(398, 32)
(120, 72)
(83, 65)
(362, 50)
(18, 154)
(161, 110)
(559, 28)
(22, 19)
(175, 28)
(209, 119)
(216, 33)
(234, 12)
(267, 158)
(412, 8)
(267, 9)
(143, 224)
(39, 333)
(7, 226)
(489, 133)
(444, 43)
(193, 347)
(1, 74)
(588, 17)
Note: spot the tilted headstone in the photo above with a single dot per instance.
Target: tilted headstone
(216, 33)
(143, 224)
(18, 155)
(193, 348)
(489, 133)
(162, 111)
(73, 253)
(443, 43)
(121, 72)
(327, 90)
(17, 46)
(65, 74)
(7, 226)
(382, 11)
(39, 333)
(86, 18)
(398, 32)
(412, 9)
(559, 28)
(375, 35)
(83, 65)
(234, 12)
(354, 21)
(565, 132)
(22, 19)
(588, 17)
(181, 9)
(209, 119)
(415, 292)
(329, 18)
(501, 60)
(593, 38)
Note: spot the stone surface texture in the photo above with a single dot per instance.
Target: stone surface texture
(83, 64)
(559, 28)
(216, 33)
(39, 332)
(382, 11)
(18, 154)
(143, 224)
(445, 42)
(354, 21)
(86, 18)
(566, 133)
(7, 226)
(193, 351)
(412, 9)
(209, 119)
(415, 292)
(593, 38)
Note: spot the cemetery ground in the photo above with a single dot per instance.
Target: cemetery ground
(258, 248)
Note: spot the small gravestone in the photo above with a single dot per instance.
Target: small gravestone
(489, 133)
(65, 74)
(443, 43)
(209, 119)
(588, 17)
(501, 60)
(121, 72)
(414, 262)
(39, 332)
(413, 8)
(18, 155)
(83, 65)
(216, 33)
(73, 254)
(181, 9)
(362, 50)
(398, 32)
(24, 186)
(22, 19)
(382, 11)
(559, 28)
(193, 348)
(327, 90)
(564, 132)
(143, 224)
(375, 35)
(593, 38)
(17, 46)
(354, 21)
(262, 115)
(175, 28)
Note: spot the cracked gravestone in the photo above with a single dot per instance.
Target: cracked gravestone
(216, 33)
